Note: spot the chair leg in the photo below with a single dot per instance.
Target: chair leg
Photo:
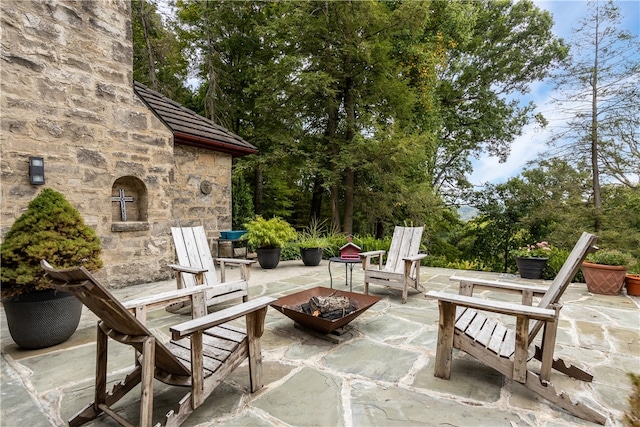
(444, 350)
(146, 394)
(405, 290)
(580, 410)
(255, 329)
(521, 354)
(568, 369)
(548, 345)
(101, 368)
(104, 400)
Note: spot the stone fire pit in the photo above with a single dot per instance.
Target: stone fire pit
(290, 306)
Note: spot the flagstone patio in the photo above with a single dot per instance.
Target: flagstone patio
(381, 374)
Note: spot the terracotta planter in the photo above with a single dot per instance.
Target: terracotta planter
(633, 284)
(603, 279)
(531, 267)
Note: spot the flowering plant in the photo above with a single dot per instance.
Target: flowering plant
(538, 250)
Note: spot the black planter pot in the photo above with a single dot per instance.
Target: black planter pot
(531, 268)
(268, 258)
(42, 319)
(311, 256)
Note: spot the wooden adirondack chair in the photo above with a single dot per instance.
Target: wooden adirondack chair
(196, 267)
(402, 269)
(201, 354)
(463, 325)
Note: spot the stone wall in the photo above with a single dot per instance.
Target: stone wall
(67, 96)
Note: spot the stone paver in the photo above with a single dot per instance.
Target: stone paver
(381, 374)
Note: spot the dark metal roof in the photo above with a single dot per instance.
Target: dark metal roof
(190, 128)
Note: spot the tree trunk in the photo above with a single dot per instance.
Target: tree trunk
(257, 194)
(332, 125)
(349, 182)
(597, 202)
(210, 95)
(335, 208)
(153, 80)
(316, 199)
(350, 176)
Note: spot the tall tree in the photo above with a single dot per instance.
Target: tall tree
(245, 71)
(158, 61)
(599, 92)
(369, 104)
(507, 46)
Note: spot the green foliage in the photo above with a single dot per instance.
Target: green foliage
(632, 415)
(270, 234)
(557, 257)
(611, 257)
(158, 60)
(289, 251)
(370, 243)
(49, 229)
(475, 265)
(242, 201)
(314, 236)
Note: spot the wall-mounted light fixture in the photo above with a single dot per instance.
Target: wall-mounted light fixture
(36, 170)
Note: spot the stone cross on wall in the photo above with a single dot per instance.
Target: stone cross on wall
(122, 200)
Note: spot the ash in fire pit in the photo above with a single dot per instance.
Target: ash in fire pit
(330, 307)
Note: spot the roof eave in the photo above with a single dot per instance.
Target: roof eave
(199, 142)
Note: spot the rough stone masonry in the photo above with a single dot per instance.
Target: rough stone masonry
(67, 96)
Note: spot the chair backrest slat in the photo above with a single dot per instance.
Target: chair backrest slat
(563, 279)
(192, 249)
(405, 243)
(81, 283)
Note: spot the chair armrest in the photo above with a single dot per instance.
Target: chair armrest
(205, 322)
(189, 270)
(415, 257)
(366, 257)
(494, 306)
(372, 254)
(238, 261)
(244, 264)
(499, 286)
(164, 297)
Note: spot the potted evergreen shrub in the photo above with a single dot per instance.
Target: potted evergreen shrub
(267, 237)
(532, 259)
(605, 270)
(37, 315)
(311, 243)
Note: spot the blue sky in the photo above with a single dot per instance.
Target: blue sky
(566, 15)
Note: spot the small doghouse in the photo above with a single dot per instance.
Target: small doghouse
(350, 250)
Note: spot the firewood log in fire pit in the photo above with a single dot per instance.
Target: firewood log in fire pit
(329, 307)
(327, 304)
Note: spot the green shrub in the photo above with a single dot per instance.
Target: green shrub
(270, 234)
(290, 251)
(610, 257)
(475, 265)
(49, 229)
(313, 236)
